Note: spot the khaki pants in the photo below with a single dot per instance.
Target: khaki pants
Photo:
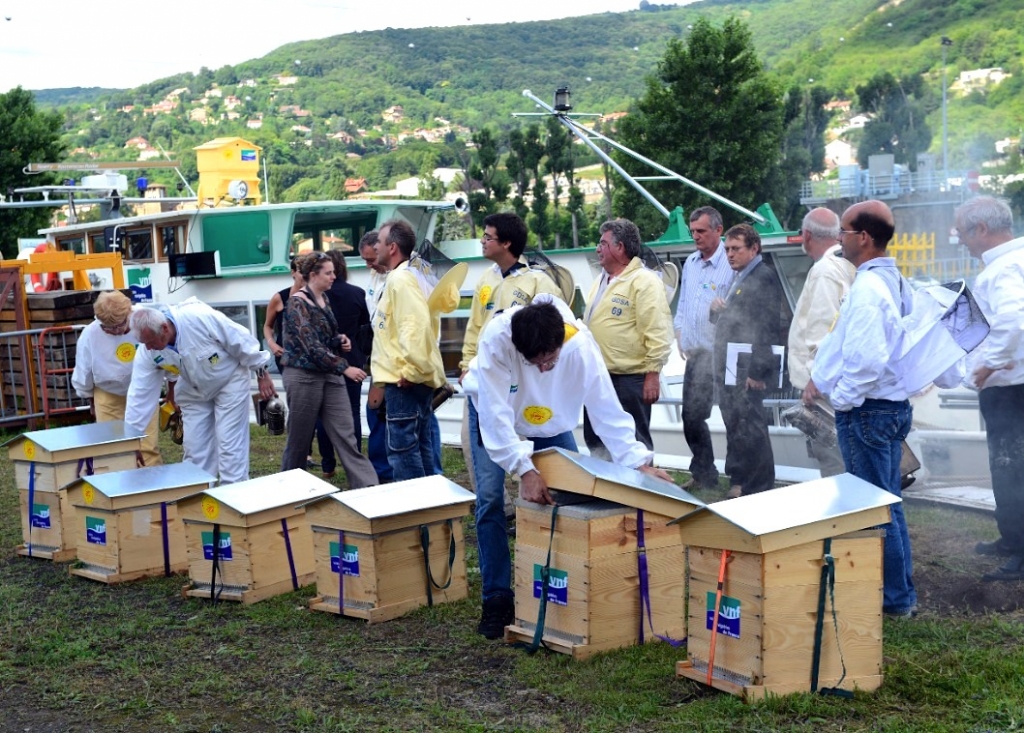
(111, 407)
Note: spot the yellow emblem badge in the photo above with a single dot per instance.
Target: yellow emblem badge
(211, 508)
(29, 449)
(485, 296)
(537, 415)
(125, 353)
(88, 493)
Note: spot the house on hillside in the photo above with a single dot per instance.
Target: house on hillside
(354, 185)
(394, 114)
(255, 123)
(139, 143)
(286, 80)
(974, 79)
(839, 152)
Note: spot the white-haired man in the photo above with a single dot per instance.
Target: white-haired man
(828, 282)
(996, 368)
(211, 357)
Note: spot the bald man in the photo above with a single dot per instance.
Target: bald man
(858, 367)
(826, 286)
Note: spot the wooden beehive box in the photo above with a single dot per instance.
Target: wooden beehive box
(594, 599)
(249, 541)
(127, 524)
(374, 546)
(765, 636)
(45, 461)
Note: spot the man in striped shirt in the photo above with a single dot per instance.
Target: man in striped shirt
(706, 275)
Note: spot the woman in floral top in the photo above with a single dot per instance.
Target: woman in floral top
(314, 374)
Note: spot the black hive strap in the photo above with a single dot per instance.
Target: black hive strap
(425, 544)
(291, 558)
(827, 587)
(545, 581)
(214, 595)
(166, 539)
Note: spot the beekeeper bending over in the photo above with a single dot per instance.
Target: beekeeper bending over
(211, 356)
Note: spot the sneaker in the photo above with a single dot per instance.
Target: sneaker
(908, 613)
(497, 613)
(329, 474)
(996, 548)
(1012, 569)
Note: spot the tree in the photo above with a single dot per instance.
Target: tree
(26, 136)
(803, 148)
(710, 113)
(524, 156)
(899, 110)
(484, 168)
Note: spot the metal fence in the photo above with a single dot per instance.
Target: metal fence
(35, 370)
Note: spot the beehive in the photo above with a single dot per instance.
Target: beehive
(598, 556)
(775, 540)
(127, 524)
(45, 461)
(249, 541)
(387, 550)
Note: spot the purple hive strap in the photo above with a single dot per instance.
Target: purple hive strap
(645, 591)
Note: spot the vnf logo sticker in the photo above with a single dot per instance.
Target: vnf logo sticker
(558, 585)
(223, 552)
(40, 518)
(95, 531)
(728, 615)
(349, 560)
(513, 389)
(214, 359)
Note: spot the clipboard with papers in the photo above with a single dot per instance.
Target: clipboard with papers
(737, 361)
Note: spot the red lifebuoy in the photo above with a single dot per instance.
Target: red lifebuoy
(52, 279)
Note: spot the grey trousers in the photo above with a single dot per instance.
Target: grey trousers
(313, 395)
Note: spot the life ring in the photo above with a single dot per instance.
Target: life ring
(52, 279)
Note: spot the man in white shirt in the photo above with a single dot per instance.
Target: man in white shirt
(535, 367)
(996, 368)
(826, 286)
(706, 276)
(858, 367)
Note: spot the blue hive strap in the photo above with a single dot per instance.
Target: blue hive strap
(31, 500)
(341, 571)
(645, 589)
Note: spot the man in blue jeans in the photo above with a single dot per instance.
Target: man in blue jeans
(858, 368)
(535, 367)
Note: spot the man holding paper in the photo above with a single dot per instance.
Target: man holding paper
(747, 361)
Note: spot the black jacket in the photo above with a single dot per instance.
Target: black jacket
(752, 316)
(348, 302)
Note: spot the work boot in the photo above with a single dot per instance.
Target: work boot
(996, 548)
(1012, 569)
(498, 613)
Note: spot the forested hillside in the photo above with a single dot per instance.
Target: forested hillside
(326, 110)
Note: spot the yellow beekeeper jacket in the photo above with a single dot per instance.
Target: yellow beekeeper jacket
(494, 294)
(631, 322)
(404, 343)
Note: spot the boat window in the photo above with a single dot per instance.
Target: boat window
(237, 312)
(72, 244)
(139, 245)
(323, 231)
(242, 238)
(171, 240)
(419, 219)
(98, 243)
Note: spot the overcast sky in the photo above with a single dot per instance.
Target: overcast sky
(46, 45)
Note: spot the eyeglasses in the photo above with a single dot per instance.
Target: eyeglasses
(118, 329)
(489, 238)
(844, 232)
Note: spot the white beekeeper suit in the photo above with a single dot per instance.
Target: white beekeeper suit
(212, 357)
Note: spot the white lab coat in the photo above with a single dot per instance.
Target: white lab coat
(513, 397)
(212, 359)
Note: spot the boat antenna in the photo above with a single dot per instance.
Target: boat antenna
(562, 112)
(177, 170)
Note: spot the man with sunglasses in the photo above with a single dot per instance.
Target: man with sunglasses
(535, 368)
(858, 368)
(103, 366)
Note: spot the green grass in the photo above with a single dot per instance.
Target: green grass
(79, 655)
